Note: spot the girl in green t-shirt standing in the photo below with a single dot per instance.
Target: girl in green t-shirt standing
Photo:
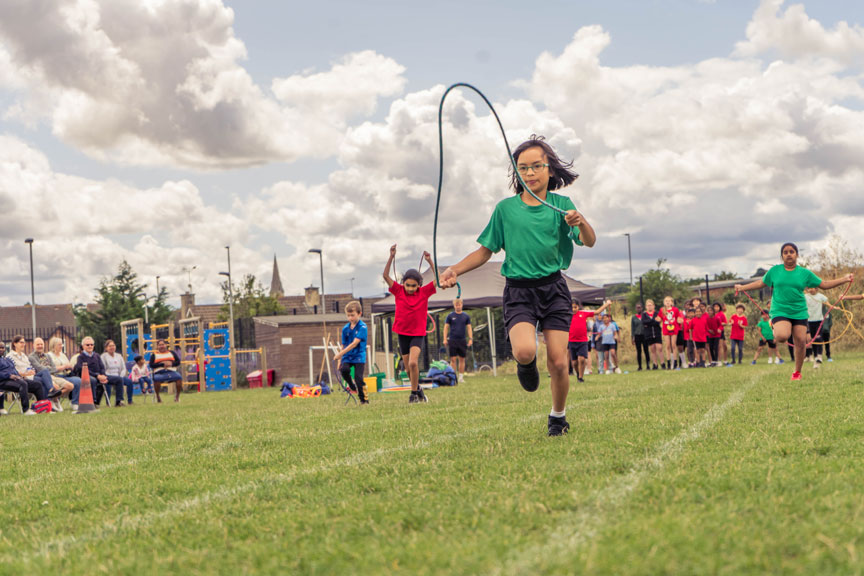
(538, 245)
(788, 306)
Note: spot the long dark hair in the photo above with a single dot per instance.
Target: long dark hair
(561, 173)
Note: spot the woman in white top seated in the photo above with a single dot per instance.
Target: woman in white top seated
(64, 368)
(116, 366)
(164, 364)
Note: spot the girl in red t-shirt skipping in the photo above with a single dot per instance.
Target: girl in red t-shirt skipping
(412, 307)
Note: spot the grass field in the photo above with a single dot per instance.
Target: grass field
(711, 471)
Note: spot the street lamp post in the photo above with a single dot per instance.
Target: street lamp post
(321, 266)
(629, 257)
(352, 287)
(189, 271)
(32, 288)
(231, 321)
(157, 286)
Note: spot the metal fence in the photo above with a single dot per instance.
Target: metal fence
(67, 335)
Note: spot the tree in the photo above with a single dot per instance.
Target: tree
(657, 284)
(250, 300)
(836, 259)
(725, 275)
(119, 299)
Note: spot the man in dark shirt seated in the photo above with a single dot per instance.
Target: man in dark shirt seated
(11, 381)
(98, 379)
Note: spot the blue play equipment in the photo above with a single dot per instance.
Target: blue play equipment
(194, 344)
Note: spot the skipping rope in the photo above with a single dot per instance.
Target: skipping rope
(441, 171)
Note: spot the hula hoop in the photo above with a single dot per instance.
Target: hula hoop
(441, 171)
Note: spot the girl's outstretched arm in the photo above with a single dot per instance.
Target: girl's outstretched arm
(586, 232)
(473, 260)
(828, 284)
(386, 274)
(755, 285)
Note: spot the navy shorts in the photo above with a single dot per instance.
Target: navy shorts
(458, 347)
(539, 301)
(771, 343)
(700, 345)
(408, 342)
(578, 350)
(776, 319)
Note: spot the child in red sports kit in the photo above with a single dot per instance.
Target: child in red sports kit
(736, 335)
(412, 307)
(671, 323)
(578, 337)
(538, 244)
(699, 326)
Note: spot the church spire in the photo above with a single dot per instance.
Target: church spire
(276, 290)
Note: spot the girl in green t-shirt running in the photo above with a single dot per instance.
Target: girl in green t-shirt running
(538, 245)
(788, 306)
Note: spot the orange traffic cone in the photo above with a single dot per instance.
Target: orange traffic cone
(85, 395)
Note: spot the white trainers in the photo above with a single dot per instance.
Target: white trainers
(55, 405)
(461, 378)
(608, 372)
(74, 407)
(617, 370)
(4, 412)
(30, 413)
(770, 360)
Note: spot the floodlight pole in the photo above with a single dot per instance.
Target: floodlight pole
(629, 257)
(32, 288)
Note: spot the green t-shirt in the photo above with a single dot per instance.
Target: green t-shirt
(767, 331)
(536, 240)
(788, 297)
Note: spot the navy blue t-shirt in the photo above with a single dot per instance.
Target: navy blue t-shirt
(355, 355)
(458, 323)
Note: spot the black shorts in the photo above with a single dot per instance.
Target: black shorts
(458, 347)
(654, 340)
(408, 342)
(680, 340)
(545, 302)
(578, 350)
(770, 343)
(700, 345)
(790, 320)
(607, 347)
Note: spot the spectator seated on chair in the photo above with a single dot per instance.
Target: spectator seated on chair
(162, 362)
(12, 381)
(64, 368)
(42, 361)
(140, 373)
(98, 379)
(26, 370)
(115, 366)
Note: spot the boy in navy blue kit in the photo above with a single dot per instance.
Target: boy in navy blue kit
(353, 353)
(459, 336)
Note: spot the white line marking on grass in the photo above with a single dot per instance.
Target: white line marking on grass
(59, 547)
(583, 525)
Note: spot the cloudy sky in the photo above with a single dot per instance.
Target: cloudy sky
(160, 131)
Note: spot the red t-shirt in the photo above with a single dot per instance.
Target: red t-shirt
(738, 325)
(714, 326)
(700, 328)
(411, 310)
(579, 326)
(688, 329)
(723, 321)
(669, 320)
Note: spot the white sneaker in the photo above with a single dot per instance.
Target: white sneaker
(74, 407)
(55, 405)
(588, 371)
(770, 360)
(608, 372)
(617, 370)
(461, 378)
(4, 412)
(30, 413)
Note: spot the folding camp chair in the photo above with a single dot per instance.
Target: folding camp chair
(17, 401)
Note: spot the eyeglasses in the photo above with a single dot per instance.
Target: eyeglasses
(90, 344)
(533, 167)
